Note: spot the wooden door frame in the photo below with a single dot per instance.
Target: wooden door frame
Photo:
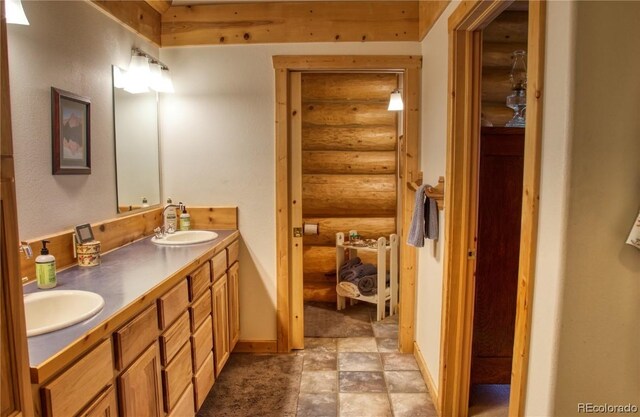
(408, 153)
(465, 54)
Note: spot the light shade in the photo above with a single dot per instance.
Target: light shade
(395, 101)
(15, 12)
(155, 78)
(166, 85)
(138, 74)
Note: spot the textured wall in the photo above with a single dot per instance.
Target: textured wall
(71, 46)
(218, 137)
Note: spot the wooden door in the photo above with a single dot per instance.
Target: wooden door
(15, 388)
(220, 323)
(140, 389)
(104, 406)
(348, 167)
(234, 305)
(498, 248)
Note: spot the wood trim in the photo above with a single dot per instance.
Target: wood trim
(137, 15)
(347, 62)
(122, 230)
(426, 376)
(409, 156)
(159, 6)
(256, 346)
(410, 66)
(292, 21)
(295, 212)
(461, 197)
(282, 210)
(429, 13)
(530, 205)
(12, 321)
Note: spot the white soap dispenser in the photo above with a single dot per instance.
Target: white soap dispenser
(46, 268)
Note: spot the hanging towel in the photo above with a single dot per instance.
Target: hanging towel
(634, 235)
(416, 231)
(431, 218)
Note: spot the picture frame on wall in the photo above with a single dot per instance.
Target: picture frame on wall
(70, 133)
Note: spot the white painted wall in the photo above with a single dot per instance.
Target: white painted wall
(433, 152)
(69, 45)
(218, 148)
(599, 337)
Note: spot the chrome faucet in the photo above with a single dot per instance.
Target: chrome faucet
(169, 228)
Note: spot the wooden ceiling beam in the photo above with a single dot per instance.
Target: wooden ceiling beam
(139, 16)
(283, 22)
(160, 6)
(430, 11)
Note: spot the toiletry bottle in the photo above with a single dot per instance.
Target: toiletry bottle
(45, 268)
(185, 219)
(170, 218)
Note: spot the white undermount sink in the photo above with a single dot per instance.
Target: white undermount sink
(52, 310)
(187, 237)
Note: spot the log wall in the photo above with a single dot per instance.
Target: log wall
(349, 167)
(507, 33)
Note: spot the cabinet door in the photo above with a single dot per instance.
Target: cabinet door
(140, 389)
(234, 306)
(104, 406)
(220, 323)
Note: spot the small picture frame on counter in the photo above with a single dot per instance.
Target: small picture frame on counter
(84, 233)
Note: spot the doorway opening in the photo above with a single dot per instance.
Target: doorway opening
(462, 350)
(289, 191)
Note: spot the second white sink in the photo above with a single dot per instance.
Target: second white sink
(51, 310)
(187, 237)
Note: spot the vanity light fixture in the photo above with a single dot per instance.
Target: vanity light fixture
(15, 13)
(395, 101)
(146, 71)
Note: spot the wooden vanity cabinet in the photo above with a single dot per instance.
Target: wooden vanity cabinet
(106, 405)
(139, 387)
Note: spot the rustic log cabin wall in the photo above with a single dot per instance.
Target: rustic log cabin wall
(349, 160)
(507, 33)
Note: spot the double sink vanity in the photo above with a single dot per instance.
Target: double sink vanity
(169, 321)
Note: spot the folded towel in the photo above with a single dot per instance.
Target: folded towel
(347, 289)
(348, 266)
(360, 271)
(368, 285)
(431, 218)
(416, 231)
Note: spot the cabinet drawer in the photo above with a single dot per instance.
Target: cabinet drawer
(232, 252)
(172, 304)
(200, 310)
(176, 377)
(134, 337)
(199, 281)
(70, 392)
(202, 343)
(219, 265)
(203, 380)
(172, 340)
(184, 407)
(106, 405)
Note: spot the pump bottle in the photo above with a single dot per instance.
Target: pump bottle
(46, 268)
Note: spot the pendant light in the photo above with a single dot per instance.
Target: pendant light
(15, 13)
(395, 101)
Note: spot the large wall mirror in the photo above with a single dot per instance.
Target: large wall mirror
(137, 148)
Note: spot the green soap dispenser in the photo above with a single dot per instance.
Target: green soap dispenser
(46, 268)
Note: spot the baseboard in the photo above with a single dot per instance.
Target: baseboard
(428, 379)
(256, 346)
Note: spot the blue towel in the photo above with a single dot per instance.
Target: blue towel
(416, 232)
(431, 218)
